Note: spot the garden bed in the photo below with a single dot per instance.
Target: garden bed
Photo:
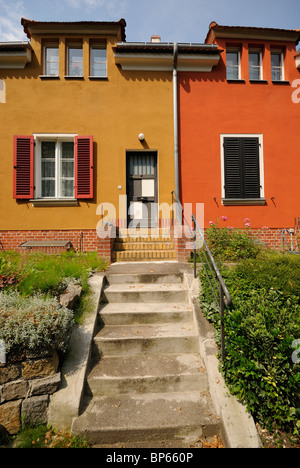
(262, 329)
(37, 317)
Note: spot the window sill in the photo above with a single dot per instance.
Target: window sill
(282, 82)
(235, 81)
(259, 81)
(49, 77)
(69, 77)
(54, 202)
(104, 78)
(243, 201)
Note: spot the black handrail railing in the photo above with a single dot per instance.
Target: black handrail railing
(215, 278)
(213, 275)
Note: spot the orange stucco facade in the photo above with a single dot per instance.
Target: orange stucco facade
(113, 109)
(212, 106)
(135, 96)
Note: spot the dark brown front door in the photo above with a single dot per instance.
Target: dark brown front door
(142, 193)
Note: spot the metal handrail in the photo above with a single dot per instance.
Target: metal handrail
(215, 279)
(209, 261)
(227, 299)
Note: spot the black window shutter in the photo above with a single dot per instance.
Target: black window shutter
(233, 168)
(241, 166)
(251, 168)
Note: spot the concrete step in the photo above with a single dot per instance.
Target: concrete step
(143, 239)
(143, 255)
(178, 416)
(147, 384)
(145, 293)
(126, 340)
(137, 246)
(144, 233)
(144, 277)
(132, 313)
(152, 373)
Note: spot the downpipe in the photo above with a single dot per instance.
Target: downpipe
(175, 117)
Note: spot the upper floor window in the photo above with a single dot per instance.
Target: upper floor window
(277, 65)
(75, 60)
(98, 61)
(233, 64)
(51, 60)
(255, 65)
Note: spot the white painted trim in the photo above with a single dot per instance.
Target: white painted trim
(257, 51)
(2, 92)
(238, 51)
(38, 138)
(45, 46)
(102, 46)
(164, 61)
(141, 151)
(15, 59)
(261, 159)
(281, 52)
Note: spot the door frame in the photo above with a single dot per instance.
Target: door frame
(128, 153)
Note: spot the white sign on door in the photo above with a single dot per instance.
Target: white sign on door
(148, 188)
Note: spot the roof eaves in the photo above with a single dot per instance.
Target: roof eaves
(26, 23)
(14, 46)
(163, 47)
(289, 34)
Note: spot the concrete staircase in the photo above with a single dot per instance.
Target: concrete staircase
(147, 385)
(143, 245)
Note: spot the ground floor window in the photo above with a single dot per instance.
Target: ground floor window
(242, 168)
(53, 167)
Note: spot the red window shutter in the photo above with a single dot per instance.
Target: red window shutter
(84, 167)
(23, 167)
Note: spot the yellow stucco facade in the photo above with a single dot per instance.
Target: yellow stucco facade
(113, 110)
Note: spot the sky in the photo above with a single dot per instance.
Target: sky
(174, 20)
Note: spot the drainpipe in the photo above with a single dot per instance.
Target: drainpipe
(175, 117)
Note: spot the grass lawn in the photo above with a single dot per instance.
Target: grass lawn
(30, 314)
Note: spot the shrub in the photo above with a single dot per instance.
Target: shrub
(270, 270)
(258, 366)
(33, 323)
(260, 328)
(230, 244)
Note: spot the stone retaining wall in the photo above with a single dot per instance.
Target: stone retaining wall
(25, 389)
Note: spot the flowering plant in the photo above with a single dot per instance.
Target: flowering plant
(228, 243)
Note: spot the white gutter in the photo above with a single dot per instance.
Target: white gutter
(175, 117)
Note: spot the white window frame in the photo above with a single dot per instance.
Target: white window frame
(238, 66)
(259, 52)
(73, 45)
(244, 201)
(279, 52)
(102, 47)
(57, 138)
(50, 45)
